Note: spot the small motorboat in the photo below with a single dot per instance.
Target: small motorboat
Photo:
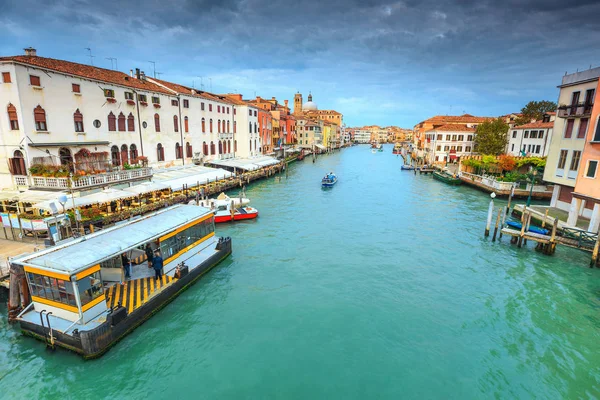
(227, 212)
(407, 167)
(374, 151)
(238, 201)
(329, 180)
(534, 229)
(447, 177)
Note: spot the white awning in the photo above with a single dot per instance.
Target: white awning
(193, 180)
(146, 187)
(247, 164)
(320, 146)
(105, 196)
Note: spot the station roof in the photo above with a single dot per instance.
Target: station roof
(82, 253)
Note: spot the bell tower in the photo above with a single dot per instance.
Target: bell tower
(297, 103)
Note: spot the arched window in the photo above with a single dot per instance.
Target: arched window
(219, 126)
(249, 127)
(255, 128)
(186, 124)
(12, 117)
(114, 156)
(157, 122)
(124, 155)
(175, 123)
(130, 123)
(39, 116)
(204, 148)
(160, 152)
(188, 150)
(178, 152)
(121, 122)
(235, 145)
(220, 147)
(203, 125)
(78, 120)
(16, 164)
(228, 127)
(133, 153)
(229, 146)
(234, 126)
(64, 154)
(212, 148)
(210, 125)
(112, 122)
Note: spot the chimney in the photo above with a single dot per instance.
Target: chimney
(143, 76)
(131, 73)
(137, 73)
(30, 51)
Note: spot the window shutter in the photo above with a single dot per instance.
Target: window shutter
(12, 112)
(34, 80)
(6, 77)
(130, 123)
(121, 122)
(157, 122)
(112, 123)
(39, 114)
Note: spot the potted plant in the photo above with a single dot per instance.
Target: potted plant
(156, 105)
(144, 103)
(111, 100)
(131, 102)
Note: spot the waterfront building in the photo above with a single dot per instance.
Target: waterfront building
(420, 129)
(448, 143)
(532, 139)
(283, 123)
(310, 110)
(362, 136)
(586, 195)
(575, 104)
(93, 121)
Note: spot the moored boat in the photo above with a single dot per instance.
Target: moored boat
(534, 229)
(397, 149)
(447, 177)
(79, 298)
(329, 180)
(407, 167)
(227, 212)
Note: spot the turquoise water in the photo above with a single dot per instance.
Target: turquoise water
(382, 287)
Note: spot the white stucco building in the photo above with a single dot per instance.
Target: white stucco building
(531, 139)
(449, 143)
(94, 121)
(362, 136)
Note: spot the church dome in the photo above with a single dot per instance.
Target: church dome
(310, 106)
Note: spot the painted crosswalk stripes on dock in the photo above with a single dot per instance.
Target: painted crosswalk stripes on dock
(134, 293)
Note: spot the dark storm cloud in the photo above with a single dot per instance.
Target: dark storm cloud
(439, 53)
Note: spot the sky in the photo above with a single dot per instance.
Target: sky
(377, 62)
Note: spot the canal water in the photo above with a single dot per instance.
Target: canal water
(382, 287)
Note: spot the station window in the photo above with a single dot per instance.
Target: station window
(173, 245)
(57, 290)
(90, 288)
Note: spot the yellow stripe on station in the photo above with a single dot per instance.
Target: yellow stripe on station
(184, 227)
(88, 271)
(57, 275)
(185, 250)
(136, 292)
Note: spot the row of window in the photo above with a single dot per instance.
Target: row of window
(530, 134)
(457, 148)
(61, 291)
(123, 156)
(179, 242)
(455, 138)
(591, 169)
(581, 131)
(531, 148)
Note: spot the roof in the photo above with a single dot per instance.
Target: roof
(453, 128)
(89, 250)
(191, 92)
(88, 72)
(465, 118)
(536, 124)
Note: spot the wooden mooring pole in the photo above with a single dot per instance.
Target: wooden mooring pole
(497, 223)
(594, 260)
(520, 242)
(489, 216)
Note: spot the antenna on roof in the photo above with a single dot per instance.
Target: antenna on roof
(158, 73)
(153, 67)
(111, 63)
(91, 56)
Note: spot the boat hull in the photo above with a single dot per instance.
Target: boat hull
(446, 178)
(534, 229)
(407, 168)
(95, 342)
(236, 217)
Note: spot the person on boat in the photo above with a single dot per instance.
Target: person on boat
(157, 264)
(126, 265)
(149, 254)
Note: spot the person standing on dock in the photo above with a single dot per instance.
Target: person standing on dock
(157, 264)
(126, 265)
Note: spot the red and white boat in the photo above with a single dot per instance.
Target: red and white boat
(226, 212)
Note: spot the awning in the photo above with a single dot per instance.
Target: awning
(105, 196)
(146, 187)
(193, 180)
(320, 146)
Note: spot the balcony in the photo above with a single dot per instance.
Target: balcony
(83, 182)
(575, 110)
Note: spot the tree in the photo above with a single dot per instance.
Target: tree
(491, 137)
(534, 110)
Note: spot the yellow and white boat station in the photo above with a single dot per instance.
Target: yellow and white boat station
(79, 287)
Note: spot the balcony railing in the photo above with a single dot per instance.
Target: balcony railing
(575, 110)
(81, 182)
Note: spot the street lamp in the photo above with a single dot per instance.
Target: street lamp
(533, 175)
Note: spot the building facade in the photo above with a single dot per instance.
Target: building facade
(448, 143)
(576, 101)
(531, 139)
